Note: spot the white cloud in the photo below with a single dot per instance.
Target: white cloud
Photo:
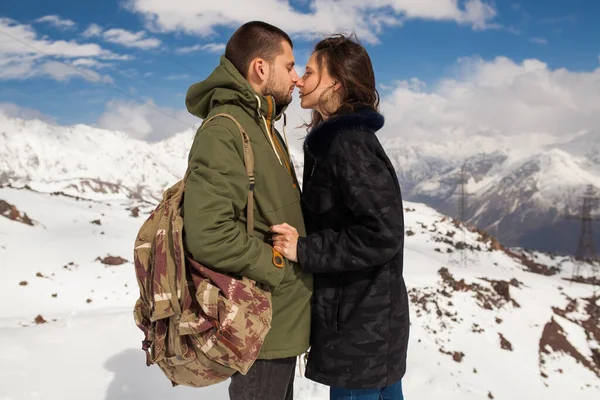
(23, 39)
(25, 67)
(123, 37)
(63, 72)
(539, 40)
(146, 120)
(210, 47)
(367, 19)
(57, 22)
(90, 62)
(24, 55)
(130, 39)
(16, 111)
(92, 30)
(497, 97)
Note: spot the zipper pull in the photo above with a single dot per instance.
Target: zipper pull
(313, 169)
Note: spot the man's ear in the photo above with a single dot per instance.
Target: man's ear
(259, 69)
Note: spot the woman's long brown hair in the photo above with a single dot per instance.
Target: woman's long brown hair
(348, 63)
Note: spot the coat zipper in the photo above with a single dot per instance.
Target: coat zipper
(339, 308)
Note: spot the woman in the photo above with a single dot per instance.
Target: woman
(354, 218)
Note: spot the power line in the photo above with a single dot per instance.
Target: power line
(462, 180)
(94, 79)
(586, 251)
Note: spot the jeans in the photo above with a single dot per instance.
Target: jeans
(266, 380)
(392, 392)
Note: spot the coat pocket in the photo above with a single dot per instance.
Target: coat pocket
(326, 303)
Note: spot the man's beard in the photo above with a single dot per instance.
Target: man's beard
(281, 94)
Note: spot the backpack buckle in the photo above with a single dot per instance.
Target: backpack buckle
(146, 347)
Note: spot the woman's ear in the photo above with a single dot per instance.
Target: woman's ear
(337, 86)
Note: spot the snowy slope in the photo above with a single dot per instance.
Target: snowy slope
(89, 347)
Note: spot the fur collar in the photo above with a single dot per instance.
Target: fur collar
(319, 139)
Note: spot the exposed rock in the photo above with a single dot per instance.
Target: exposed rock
(11, 212)
(456, 355)
(590, 280)
(486, 298)
(531, 265)
(502, 288)
(485, 237)
(554, 339)
(504, 343)
(112, 260)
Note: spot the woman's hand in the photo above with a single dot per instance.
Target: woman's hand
(285, 241)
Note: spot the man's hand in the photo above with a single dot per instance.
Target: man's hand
(285, 241)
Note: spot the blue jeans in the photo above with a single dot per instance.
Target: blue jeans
(392, 392)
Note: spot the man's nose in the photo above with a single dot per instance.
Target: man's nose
(295, 77)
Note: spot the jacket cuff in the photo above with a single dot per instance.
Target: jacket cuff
(272, 269)
(301, 252)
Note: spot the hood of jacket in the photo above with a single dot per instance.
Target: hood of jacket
(319, 139)
(225, 85)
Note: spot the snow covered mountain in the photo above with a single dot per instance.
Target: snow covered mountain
(503, 325)
(521, 196)
(88, 162)
(520, 190)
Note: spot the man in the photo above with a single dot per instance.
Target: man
(254, 84)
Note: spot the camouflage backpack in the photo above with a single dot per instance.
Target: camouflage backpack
(200, 326)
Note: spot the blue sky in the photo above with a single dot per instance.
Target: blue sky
(419, 41)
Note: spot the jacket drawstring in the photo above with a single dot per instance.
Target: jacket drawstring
(285, 134)
(267, 128)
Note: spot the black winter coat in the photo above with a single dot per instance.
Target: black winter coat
(354, 246)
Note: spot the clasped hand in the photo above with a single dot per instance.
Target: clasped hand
(285, 241)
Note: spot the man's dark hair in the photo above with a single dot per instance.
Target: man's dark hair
(255, 39)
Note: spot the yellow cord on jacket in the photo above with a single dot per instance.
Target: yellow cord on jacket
(267, 128)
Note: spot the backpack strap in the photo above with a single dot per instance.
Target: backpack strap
(249, 164)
